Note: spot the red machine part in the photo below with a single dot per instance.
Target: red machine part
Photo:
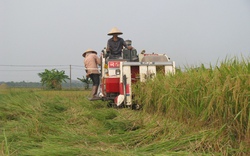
(112, 84)
(122, 90)
(134, 73)
(114, 64)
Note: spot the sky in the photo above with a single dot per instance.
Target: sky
(45, 34)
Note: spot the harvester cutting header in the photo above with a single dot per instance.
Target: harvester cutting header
(122, 67)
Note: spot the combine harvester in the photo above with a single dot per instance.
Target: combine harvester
(119, 75)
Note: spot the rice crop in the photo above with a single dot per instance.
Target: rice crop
(213, 98)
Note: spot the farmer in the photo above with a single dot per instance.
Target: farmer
(130, 54)
(115, 44)
(91, 62)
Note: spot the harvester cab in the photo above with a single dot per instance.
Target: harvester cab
(119, 75)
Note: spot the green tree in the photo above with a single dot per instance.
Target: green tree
(53, 79)
(86, 80)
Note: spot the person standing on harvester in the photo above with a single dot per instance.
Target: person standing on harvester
(116, 44)
(91, 62)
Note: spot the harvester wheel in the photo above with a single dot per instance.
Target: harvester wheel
(136, 107)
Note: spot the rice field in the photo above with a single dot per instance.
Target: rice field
(202, 111)
(211, 99)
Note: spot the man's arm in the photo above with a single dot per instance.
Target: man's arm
(107, 50)
(124, 43)
(126, 46)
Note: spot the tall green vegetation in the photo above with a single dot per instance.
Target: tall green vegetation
(53, 79)
(216, 98)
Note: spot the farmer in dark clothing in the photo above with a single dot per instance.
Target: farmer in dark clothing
(116, 44)
(130, 54)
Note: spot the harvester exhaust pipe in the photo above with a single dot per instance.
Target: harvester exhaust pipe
(124, 87)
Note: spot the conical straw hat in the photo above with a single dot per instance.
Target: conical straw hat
(88, 51)
(115, 31)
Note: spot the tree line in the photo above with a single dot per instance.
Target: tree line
(52, 79)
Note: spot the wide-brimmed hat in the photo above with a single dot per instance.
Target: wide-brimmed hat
(115, 31)
(88, 51)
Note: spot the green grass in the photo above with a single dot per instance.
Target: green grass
(197, 112)
(205, 98)
(38, 122)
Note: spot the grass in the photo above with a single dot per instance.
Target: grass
(38, 122)
(197, 112)
(6, 143)
(211, 98)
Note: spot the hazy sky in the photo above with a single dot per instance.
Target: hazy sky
(46, 34)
